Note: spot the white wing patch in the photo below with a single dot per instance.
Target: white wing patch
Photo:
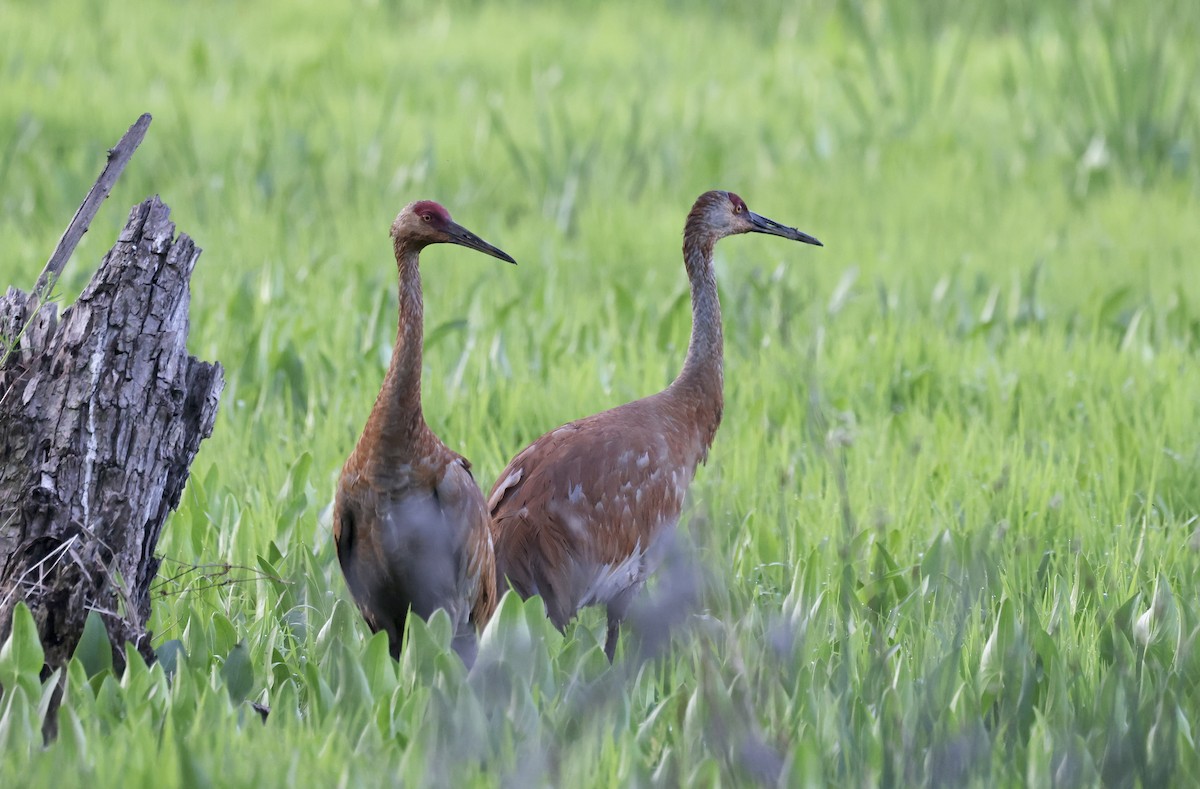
(512, 479)
(612, 579)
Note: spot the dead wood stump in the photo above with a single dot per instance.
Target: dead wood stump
(101, 413)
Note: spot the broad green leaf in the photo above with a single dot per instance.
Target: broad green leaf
(71, 737)
(94, 650)
(238, 673)
(170, 654)
(378, 664)
(19, 733)
(225, 636)
(49, 691)
(21, 656)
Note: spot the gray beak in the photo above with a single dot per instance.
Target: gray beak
(760, 224)
(463, 237)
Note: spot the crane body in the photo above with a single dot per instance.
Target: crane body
(410, 523)
(582, 516)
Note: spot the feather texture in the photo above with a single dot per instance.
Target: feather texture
(582, 516)
(410, 523)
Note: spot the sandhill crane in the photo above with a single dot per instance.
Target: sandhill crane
(409, 520)
(580, 516)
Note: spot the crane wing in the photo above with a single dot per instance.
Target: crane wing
(578, 515)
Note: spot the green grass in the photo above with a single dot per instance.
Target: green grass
(947, 533)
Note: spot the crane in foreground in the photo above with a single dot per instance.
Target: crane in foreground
(582, 515)
(409, 520)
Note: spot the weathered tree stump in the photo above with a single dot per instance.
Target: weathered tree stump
(101, 414)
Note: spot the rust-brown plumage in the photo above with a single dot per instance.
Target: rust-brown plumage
(580, 516)
(409, 521)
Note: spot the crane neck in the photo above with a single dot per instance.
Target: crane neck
(702, 377)
(397, 418)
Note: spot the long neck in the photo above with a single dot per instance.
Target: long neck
(396, 420)
(699, 384)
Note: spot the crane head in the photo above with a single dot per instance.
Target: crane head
(726, 214)
(426, 222)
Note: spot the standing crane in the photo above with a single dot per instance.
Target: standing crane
(581, 516)
(409, 520)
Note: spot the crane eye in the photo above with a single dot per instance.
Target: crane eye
(737, 209)
(426, 218)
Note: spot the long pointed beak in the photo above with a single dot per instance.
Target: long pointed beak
(463, 237)
(760, 224)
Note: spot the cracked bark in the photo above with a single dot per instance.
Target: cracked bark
(101, 413)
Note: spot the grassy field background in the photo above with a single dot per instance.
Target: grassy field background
(948, 531)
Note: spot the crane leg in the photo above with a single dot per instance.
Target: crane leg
(614, 630)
